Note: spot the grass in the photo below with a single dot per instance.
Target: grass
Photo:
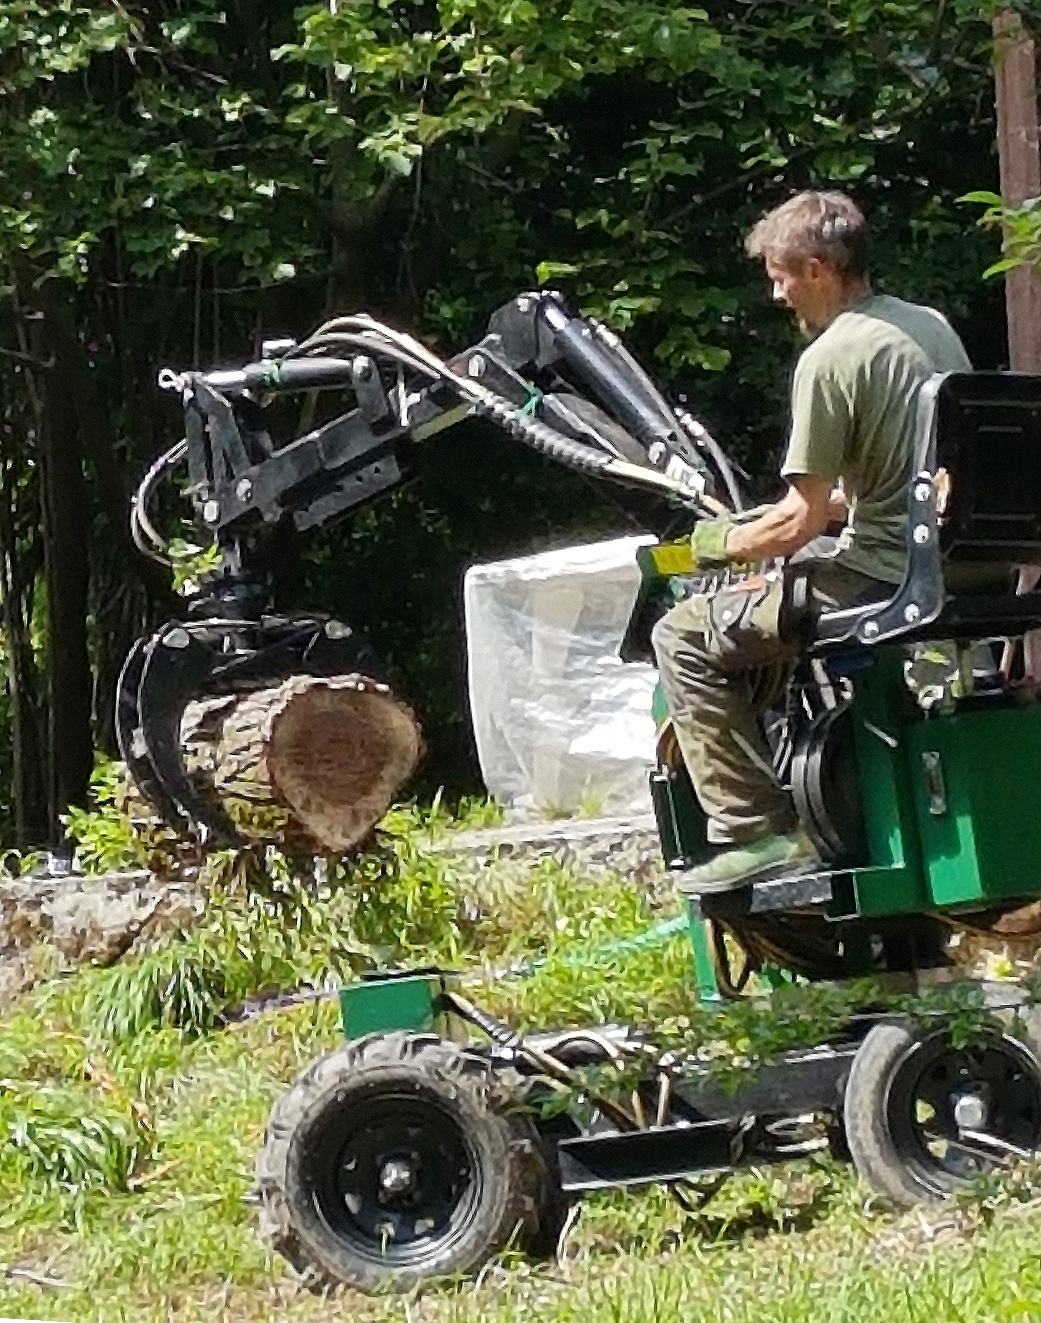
(133, 1101)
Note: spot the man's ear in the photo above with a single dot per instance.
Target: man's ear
(813, 268)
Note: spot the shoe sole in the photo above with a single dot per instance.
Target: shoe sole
(767, 873)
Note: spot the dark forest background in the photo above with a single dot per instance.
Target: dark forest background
(182, 177)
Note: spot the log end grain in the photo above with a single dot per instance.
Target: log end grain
(338, 752)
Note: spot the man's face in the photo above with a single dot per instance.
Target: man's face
(811, 288)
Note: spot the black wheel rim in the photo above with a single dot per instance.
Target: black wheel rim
(955, 1113)
(396, 1178)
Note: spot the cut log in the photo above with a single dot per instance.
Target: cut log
(310, 765)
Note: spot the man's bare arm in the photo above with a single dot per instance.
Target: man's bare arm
(801, 514)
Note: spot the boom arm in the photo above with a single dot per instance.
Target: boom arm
(238, 479)
(561, 384)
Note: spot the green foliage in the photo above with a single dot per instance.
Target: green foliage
(187, 985)
(65, 1143)
(191, 562)
(1020, 229)
(268, 926)
(67, 1126)
(266, 933)
(104, 837)
(132, 1101)
(178, 178)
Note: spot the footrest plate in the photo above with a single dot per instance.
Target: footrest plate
(807, 891)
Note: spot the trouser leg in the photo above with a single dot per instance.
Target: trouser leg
(712, 655)
(711, 652)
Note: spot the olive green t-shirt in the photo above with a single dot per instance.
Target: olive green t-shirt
(854, 405)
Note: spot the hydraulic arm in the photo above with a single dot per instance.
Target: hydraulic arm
(561, 384)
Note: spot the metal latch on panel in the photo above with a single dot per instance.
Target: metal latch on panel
(932, 766)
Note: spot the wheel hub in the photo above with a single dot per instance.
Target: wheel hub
(398, 1181)
(398, 1176)
(971, 1111)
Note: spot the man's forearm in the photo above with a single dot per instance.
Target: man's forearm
(777, 532)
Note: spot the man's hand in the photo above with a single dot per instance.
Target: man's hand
(708, 543)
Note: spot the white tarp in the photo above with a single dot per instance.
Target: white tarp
(561, 723)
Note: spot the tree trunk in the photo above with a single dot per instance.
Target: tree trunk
(66, 559)
(21, 561)
(310, 765)
(27, 756)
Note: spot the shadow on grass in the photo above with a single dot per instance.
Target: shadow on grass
(756, 1221)
(777, 1207)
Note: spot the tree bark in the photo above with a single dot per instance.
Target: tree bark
(1015, 77)
(66, 558)
(18, 571)
(63, 498)
(310, 765)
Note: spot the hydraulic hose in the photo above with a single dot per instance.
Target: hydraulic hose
(577, 456)
(609, 377)
(504, 1036)
(640, 374)
(704, 439)
(546, 440)
(318, 361)
(141, 528)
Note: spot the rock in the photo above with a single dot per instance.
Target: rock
(49, 924)
(626, 844)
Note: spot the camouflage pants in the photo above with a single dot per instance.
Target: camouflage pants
(723, 661)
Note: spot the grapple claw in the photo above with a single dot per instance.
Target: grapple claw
(186, 661)
(160, 677)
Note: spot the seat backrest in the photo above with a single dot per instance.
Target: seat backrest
(974, 496)
(987, 438)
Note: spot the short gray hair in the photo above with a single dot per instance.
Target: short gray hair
(829, 226)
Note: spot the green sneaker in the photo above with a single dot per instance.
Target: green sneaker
(763, 860)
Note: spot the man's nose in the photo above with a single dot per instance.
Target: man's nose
(778, 294)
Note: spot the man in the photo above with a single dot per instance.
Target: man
(849, 453)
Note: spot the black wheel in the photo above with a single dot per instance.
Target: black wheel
(923, 1117)
(826, 786)
(395, 1158)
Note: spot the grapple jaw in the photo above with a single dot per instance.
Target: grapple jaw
(185, 661)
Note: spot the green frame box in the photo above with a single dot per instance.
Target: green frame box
(380, 1005)
(976, 780)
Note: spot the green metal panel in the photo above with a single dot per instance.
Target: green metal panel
(704, 966)
(883, 714)
(775, 976)
(976, 777)
(376, 1006)
(680, 820)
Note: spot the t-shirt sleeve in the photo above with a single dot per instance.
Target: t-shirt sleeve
(822, 422)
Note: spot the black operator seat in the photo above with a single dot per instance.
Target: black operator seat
(974, 516)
